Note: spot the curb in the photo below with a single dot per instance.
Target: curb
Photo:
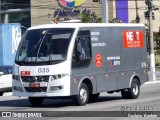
(152, 82)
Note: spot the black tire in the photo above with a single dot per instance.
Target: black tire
(83, 96)
(125, 94)
(94, 97)
(36, 101)
(133, 92)
(1, 93)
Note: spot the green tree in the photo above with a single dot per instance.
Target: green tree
(89, 17)
(99, 20)
(157, 41)
(85, 18)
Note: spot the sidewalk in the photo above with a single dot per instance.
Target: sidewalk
(157, 77)
(153, 82)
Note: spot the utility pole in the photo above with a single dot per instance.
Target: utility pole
(137, 14)
(152, 54)
(105, 12)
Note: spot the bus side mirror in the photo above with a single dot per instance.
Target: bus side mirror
(78, 50)
(79, 47)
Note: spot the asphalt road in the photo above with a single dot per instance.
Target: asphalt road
(149, 99)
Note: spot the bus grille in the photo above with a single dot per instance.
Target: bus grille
(31, 79)
(40, 89)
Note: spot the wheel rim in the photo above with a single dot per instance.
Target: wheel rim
(83, 95)
(135, 89)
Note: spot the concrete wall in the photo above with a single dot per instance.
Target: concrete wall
(40, 9)
(142, 7)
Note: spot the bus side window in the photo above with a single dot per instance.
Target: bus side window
(86, 48)
(82, 50)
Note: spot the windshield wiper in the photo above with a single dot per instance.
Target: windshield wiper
(50, 52)
(40, 46)
(33, 50)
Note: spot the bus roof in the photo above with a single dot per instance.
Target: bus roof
(78, 25)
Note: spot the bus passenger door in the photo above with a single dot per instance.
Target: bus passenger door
(81, 60)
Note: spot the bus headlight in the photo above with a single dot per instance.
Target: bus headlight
(16, 77)
(53, 88)
(58, 76)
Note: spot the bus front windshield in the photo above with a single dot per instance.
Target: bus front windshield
(44, 45)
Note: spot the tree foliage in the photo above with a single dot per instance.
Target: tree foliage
(157, 42)
(85, 18)
(90, 18)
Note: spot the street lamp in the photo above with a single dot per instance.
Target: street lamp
(105, 11)
(152, 52)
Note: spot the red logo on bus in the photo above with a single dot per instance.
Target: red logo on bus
(25, 73)
(34, 85)
(133, 39)
(98, 60)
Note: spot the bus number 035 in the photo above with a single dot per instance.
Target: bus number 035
(43, 70)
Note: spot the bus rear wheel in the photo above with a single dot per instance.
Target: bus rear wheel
(36, 101)
(83, 96)
(133, 92)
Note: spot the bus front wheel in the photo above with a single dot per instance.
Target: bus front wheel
(83, 96)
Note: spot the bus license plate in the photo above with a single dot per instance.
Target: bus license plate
(34, 85)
